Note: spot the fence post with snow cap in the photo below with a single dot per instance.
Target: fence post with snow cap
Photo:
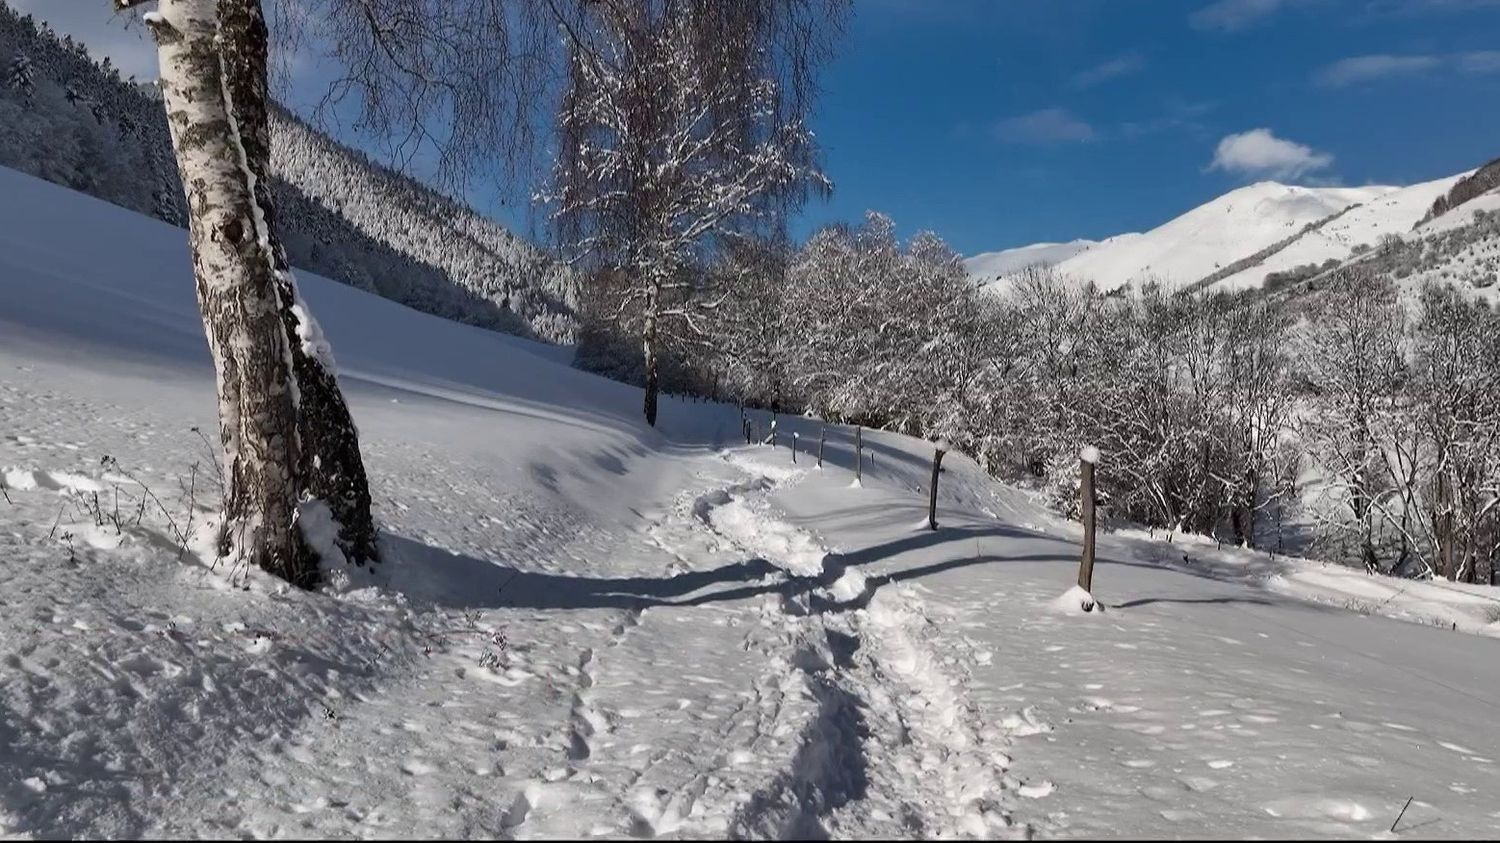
(822, 435)
(795, 438)
(1088, 458)
(940, 447)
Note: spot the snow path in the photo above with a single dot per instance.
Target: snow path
(1195, 704)
(817, 712)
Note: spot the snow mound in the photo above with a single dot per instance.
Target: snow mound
(1077, 601)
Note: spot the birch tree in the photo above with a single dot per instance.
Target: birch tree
(209, 50)
(681, 120)
(289, 441)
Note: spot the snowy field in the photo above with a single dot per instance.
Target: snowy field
(588, 628)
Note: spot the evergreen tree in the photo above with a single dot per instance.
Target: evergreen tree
(22, 77)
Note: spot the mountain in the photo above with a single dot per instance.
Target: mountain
(75, 122)
(1272, 235)
(1212, 236)
(990, 266)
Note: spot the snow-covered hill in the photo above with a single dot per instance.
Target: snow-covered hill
(1269, 234)
(1393, 213)
(587, 628)
(76, 122)
(990, 266)
(1214, 235)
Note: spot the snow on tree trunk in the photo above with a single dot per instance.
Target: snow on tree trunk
(331, 469)
(201, 42)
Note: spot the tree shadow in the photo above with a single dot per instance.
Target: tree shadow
(1148, 601)
(451, 580)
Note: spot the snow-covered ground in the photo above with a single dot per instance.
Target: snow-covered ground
(586, 627)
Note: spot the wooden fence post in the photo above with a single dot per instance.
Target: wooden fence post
(941, 447)
(795, 436)
(822, 435)
(859, 454)
(1087, 459)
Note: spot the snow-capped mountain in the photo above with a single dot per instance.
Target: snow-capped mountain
(1266, 233)
(989, 266)
(1213, 236)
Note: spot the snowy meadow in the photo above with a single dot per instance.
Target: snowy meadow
(331, 508)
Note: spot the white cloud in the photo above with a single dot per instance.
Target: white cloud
(1357, 69)
(1231, 15)
(1365, 68)
(1050, 125)
(1480, 61)
(1259, 153)
(1112, 69)
(101, 30)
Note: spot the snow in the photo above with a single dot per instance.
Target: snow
(1462, 215)
(1077, 601)
(988, 266)
(1396, 212)
(1213, 235)
(583, 627)
(1089, 454)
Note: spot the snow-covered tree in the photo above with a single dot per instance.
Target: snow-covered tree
(675, 126)
(1351, 354)
(21, 76)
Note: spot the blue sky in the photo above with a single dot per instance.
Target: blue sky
(1003, 122)
(998, 123)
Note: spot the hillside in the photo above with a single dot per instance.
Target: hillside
(584, 627)
(991, 266)
(1361, 226)
(1271, 236)
(1213, 235)
(75, 122)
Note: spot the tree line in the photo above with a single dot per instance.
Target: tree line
(1350, 422)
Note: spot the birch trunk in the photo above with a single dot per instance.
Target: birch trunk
(285, 428)
(331, 469)
(236, 284)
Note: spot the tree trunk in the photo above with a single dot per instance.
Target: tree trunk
(1443, 528)
(1086, 493)
(331, 468)
(648, 345)
(937, 464)
(203, 43)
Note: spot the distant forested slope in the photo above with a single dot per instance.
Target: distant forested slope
(73, 121)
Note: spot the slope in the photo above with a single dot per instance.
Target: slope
(1211, 236)
(1394, 213)
(588, 628)
(992, 266)
(80, 125)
